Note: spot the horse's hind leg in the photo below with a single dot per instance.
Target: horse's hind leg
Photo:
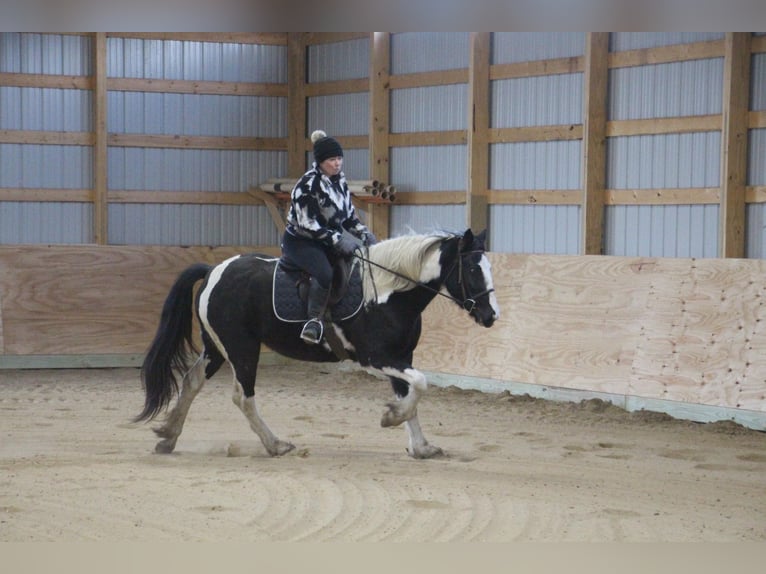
(244, 397)
(174, 423)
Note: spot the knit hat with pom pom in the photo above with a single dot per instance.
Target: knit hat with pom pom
(325, 147)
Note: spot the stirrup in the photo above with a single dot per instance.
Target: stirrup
(307, 334)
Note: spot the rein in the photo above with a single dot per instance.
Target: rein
(468, 303)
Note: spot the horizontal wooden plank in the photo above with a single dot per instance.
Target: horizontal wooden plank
(46, 81)
(266, 38)
(535, 134)
(758, 44)
(47, 137)
(666, 196)
(667, 54)
(756, 120)
(314, 38)
(755, 194)
(426, 79)
(183, 197)
(42, 195)
(196, 87)
(550, 67)
(337, 87)
(196, 142)
(686, 124)
(430, 197)
(534, 196)
(450, 137)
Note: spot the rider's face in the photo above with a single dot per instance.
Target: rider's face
(332, 165)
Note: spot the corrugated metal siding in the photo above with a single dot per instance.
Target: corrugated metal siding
(511, 47)
(662, 230)
(194, 115)
(45, 166)
(340, 114)
(413, 52)
(758, 83)
(551, 229)
(620, 41)
(339, 61)
(425, 169)
(535, 165)
(538, 101)
(666, 90)
(658, 161)
(756, 212)
(436, 108)
(425, 219)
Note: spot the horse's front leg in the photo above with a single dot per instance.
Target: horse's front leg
(409, 385)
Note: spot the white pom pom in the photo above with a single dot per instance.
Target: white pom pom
(317, 135)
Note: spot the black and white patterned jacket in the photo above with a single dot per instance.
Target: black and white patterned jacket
(321, 208)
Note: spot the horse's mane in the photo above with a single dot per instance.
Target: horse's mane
(406, 255)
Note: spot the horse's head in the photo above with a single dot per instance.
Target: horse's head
(469, 276)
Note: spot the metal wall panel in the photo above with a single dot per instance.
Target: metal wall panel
(537, 101)
(413, 52)
(51, 222)
(758, 83)
(666, 90)
(512, 47)
(27, 53)
(339, 61)
(339, 115)
(756, 212)
(551, 229)
(431, 168)
(661, 230)
(535, 165)
(658, 161)
(425, 219)
(194, 115)
(620, 41)
(436, 108)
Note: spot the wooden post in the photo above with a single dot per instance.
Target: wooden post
(736, 92)
(595, 84)
(478, 132)
(100, 161)
(380, 120)
(296, 104)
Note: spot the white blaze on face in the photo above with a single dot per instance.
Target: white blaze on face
(204, 301)
(486, 269)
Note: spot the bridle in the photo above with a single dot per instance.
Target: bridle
(469, 300)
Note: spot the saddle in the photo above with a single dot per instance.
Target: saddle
(290, 292)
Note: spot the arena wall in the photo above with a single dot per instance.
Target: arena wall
(678, 335)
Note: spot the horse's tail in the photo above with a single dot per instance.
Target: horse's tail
(168, 352)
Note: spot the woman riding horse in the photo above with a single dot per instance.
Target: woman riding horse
(320, 211)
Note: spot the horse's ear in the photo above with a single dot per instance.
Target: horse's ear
(467, 242)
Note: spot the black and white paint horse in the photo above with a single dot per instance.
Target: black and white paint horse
(234, 307)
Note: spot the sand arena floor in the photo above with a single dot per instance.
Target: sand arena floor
(73, 466)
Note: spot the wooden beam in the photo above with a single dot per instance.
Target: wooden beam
(477, 211)
(430, 197)
(535, 196)
(380, 126)
(686, 124)
(276, 38)
(100, 158)
(536, 68)
(594, 142)
(47, 137)
(417, 139)
(756, 120)
(665, 196)
(314, 38)
(46, 81)
(197, 87)
(197, 142)
(182, 197)
(736, 92)
(337, 87)
(43, 195)
(296, 104)
(667, 54)
(428, 79)
(535, 134)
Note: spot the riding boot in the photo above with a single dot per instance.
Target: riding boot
(313, 329)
